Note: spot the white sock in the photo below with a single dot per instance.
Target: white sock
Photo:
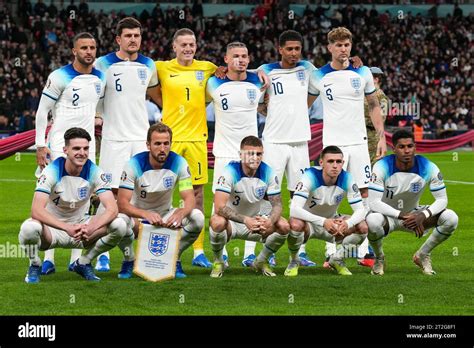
(187, 239)
(302, 247)
(249, 248)
(330, 249)
(349, 246)
(295, 240)
(75, 254)
(375, 222)
(126, 245)
(447, 223)
(362, 249)
(218, 241)
(49, 255)
(271, 246)
(116, 230)
(30, 240)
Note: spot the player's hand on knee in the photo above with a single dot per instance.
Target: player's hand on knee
(331, 226)
(252, 224)
(153, 218)
(75, 231)
(175, 220)
(342, 227)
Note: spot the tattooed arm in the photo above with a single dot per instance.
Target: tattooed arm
(376, 116)
(220, 201)
(275, 201)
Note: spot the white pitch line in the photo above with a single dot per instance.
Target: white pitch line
(17, 180)
(460, 182)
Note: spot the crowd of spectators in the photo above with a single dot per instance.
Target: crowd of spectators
(426, 60)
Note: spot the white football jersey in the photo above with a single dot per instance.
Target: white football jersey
(287, 118)
(235, 109)
(125, 114)
(246, 193)
(153, 188)
(69, 196)
(323, 200)
(342, 93)
(403, 190)
(76, 97)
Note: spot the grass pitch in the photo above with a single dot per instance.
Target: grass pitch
(403, 290)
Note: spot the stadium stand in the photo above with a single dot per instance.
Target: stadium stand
(427, 65)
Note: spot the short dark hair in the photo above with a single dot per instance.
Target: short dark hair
(289, 35)
(235, 44)
(332, 150)
(251, 140)
(402, 134)
(83, 35)
(183, 32)
(128, 23)
(76, 132)
(160, 128)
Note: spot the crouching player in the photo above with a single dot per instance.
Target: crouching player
(146, 192)
(237, 202)
(397, 183)
(313, 211)
(60, 204)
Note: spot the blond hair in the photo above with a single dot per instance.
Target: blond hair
(339, 34)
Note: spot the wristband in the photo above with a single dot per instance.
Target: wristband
(427, 213)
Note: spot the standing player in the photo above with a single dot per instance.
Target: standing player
(183, 85)
(342, 88)
(235, 99)
(130, 76)
(60, 204)
(314, 214)
(366, 254)
(397, 184)
(287, 128)
(146, 192)
(71, 93)
(237, 201)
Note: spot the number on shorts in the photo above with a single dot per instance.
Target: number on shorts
(143, 194)
(367, 171)
(56, 200)
(236, 201)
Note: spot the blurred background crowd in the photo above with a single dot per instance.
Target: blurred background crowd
(427, 60)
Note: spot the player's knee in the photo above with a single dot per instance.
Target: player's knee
(118, 228)
(449, 220)
(283, 227)
(297, 225)
(196, 221)
(362, 228)
(30, 232)
(375, 223)
(218, 223)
